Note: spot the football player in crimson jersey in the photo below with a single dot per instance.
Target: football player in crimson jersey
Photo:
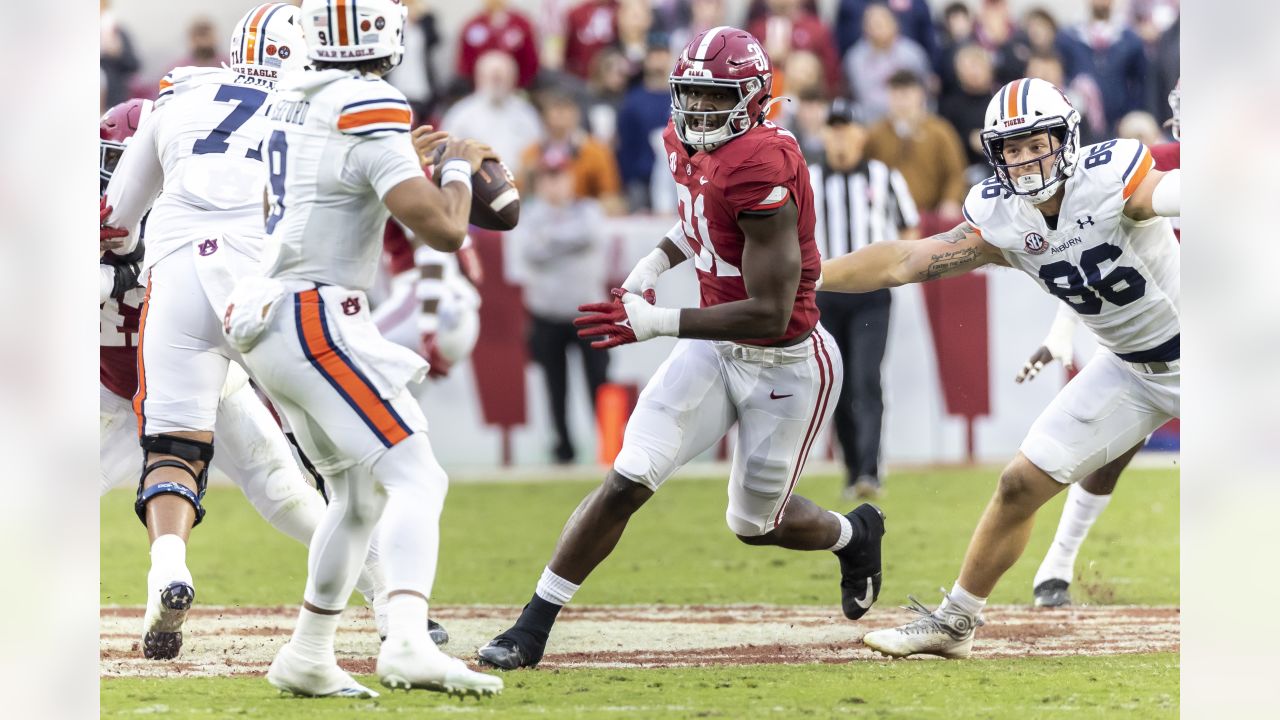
(1088, 498)
(753, 353)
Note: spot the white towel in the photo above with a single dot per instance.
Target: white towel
(250, 306)
(390, 367)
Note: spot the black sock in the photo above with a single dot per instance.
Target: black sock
(538, 617)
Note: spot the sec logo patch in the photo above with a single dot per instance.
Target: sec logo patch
(1035, 243)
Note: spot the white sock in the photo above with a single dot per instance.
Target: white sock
(846, 532)
(555, 589)
(964, 601)
(168, 562)
(407, 617)
(1078, 515)
(313, 635)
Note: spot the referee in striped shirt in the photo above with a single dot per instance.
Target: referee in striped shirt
(858, 201)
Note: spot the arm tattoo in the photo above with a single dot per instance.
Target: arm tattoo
(942, 263)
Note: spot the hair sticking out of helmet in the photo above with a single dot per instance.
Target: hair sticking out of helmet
(720, 87)
(118, 124)
(351, 33)
(1022, 108)
(267, 41)
(1174, 123)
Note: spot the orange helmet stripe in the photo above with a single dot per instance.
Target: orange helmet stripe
(1011, 108)
(251, 37)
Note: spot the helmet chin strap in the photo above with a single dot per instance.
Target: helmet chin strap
(769, 105)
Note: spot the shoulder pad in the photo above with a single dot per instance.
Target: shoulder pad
(182, 79)
(982, 203)
(373, 108)
(1116, 165)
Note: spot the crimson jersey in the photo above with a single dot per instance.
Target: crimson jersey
(118, 343)
(760, 171)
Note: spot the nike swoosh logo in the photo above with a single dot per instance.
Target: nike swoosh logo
(865, 601)
(703, 181)
(773, 395)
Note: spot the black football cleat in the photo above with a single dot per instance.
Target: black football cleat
(513, 649)
(438, 634)
(1053, 594)
(860, 574)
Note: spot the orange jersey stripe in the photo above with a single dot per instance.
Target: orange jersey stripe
(1011, 106)
(253, 34)
(370, 117)
(358, 391)
(1143, 168)
(342, 22)
(140, 394)
(165, 84)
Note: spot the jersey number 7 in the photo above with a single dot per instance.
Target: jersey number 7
(247, 101)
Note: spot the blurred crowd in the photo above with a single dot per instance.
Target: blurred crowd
(583, 84)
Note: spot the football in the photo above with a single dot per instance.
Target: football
(495, 201)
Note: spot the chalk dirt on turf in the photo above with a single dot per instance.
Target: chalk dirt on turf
(242, 640)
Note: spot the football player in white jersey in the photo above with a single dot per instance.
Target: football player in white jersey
(1088, 498)
(1089, 224)
(255, 454)
(339, 156)
(196, 163)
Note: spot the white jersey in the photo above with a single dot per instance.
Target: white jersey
(1120, 276)
(201, 150)
(338, 142)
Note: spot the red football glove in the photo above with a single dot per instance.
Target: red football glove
(608, 319)
(107, 236)
(440, 366)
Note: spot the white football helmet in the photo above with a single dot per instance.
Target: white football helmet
(268, 40)
(355, 30)
(1023, 107)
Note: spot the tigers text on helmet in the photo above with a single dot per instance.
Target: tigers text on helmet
(352, 31)
(118, 125)
(268, 40)
(722, 57)
(1024, 107)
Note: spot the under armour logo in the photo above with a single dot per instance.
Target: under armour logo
(208, 247)
(351, 306)
(1088, 220)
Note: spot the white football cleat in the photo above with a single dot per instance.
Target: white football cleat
(406, 665)
(162, 622)
(290, 672)
(945, 633)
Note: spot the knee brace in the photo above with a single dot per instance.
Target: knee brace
(189, 450)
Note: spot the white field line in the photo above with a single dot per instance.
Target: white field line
(242, 640)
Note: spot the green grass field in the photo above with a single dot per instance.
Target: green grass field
(497, 537)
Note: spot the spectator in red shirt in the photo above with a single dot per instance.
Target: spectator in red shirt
(789, 26)
(589, 28)
(499, 28)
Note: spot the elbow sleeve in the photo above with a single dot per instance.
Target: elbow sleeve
(1166, 199)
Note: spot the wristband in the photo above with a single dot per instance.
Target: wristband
(455, 170)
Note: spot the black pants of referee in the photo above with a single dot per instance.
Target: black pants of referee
(860, 325)
(549, 343)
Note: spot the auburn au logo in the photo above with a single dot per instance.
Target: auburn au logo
(351, 306)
